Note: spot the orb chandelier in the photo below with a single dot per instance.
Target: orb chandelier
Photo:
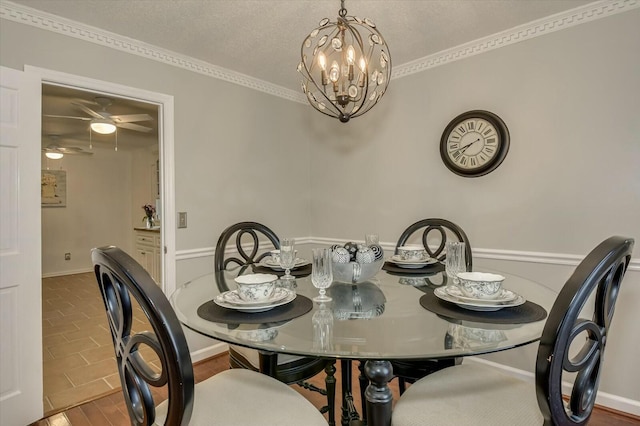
(346, 66)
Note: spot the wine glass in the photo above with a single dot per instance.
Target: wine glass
(322, 321)
(321, 274)
(455, 262)
(287, 257)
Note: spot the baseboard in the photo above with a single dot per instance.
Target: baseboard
(62, 273)
(209, 351)
(604, 399)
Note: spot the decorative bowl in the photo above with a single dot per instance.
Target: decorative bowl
(256, 287)
(354, 272)
(481, 285)
(412, 252)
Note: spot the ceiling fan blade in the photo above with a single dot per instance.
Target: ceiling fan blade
(87, 110)
(132, 126)
(69, 150)
(66, 116)
(128, 118)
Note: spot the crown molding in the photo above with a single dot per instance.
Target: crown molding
(49, 22)
(29, 16)
(540, 27)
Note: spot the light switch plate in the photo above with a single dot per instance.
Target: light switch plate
(182, 219)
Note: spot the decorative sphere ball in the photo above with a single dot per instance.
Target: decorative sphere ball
(340, 255)
(365, 255)
(335, 246)
(377, 251)
(352, 248)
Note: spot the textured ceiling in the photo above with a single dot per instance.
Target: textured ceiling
(261, 38)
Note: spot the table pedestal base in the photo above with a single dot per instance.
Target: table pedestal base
(378, 394)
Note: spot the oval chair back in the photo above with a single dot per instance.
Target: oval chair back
(121, 279)
(447, 231)
(599, 274)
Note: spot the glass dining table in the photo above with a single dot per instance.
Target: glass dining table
(393, 317)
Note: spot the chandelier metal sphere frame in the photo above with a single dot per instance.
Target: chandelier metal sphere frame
(346, 66)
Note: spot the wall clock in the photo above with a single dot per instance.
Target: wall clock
(474, 143)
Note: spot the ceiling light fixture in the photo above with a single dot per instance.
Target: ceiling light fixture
(54, 155)
(103, 126)
(346, 66)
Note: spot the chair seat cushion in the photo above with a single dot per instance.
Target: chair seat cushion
(243, 398)
(468, 394)
(253, 356)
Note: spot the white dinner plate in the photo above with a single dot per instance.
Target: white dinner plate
(268, 263)
(504, 295)
(488, 305)
(218, 300)
(412, 264)
(232, 297)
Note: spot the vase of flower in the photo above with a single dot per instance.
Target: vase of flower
(149, 211)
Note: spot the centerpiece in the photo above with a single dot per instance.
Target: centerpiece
(356, 263)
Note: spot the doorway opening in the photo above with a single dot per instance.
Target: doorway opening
(105, 191)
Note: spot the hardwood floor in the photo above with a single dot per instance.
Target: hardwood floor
(110, 410)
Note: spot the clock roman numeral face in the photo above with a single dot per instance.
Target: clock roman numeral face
(472, 143)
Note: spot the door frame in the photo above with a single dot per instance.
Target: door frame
(166, 150)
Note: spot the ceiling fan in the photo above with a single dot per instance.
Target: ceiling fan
(56, 152)
(104, 122)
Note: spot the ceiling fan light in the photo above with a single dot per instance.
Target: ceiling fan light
(54, 155)
(105, 127)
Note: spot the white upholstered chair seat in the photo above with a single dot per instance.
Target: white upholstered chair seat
(245, 398)
(253, 356)
(468, 394)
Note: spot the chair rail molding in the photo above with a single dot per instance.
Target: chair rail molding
(46, 21)
(480, 253)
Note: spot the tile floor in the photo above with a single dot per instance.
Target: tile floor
(78, 357)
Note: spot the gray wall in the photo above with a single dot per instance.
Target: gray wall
(571, 177)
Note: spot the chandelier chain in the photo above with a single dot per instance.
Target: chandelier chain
(343, 11)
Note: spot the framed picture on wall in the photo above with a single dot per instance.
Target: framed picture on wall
(53, 188)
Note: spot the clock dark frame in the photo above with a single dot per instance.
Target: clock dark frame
(503, 143)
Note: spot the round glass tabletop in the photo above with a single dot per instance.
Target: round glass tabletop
(379, 319)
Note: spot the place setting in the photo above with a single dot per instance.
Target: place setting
(258, 298)
(477, 296)
(481, 297)
(412, 259)
(284, 260)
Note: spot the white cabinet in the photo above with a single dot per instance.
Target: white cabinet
(148, 252)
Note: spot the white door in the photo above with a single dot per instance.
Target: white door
(20, 263)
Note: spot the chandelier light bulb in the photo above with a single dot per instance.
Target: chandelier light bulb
(351, 55)
(334, 72)
(322, 61)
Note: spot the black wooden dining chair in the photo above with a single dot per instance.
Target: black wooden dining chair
(242, 245)
(156, 360)
(431, 232)
(436, 232)
(571, 350)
